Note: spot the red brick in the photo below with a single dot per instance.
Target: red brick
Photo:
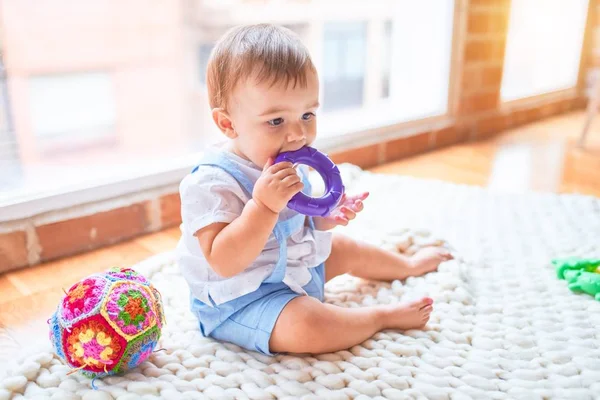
(491, 50)
(509, 122)
(534, 113)
(595, 57)
(491, 77)
(566, 105)
(471, 79)
(465, 129)
(489, 126)
(477, 22)
(476, 50)
(487, 21)
(595, 37)
(170, 210)
(499, 21)
(548, 110)
(449, 136)
(364, 157)
(477, 4)
(525, 116)
(88, 232)
(478, 102)
(519, 117)
(498, 48)
(13, 250)
(579, 103)
(406, 146)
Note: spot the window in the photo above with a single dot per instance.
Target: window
(344, 65)
(203, 56)
(543, 48)
(70, 110)
(386, 64)
(133, 113)
(9, 158)
(385, 71)
(421, 58)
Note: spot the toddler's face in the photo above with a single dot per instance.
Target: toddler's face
(269, 119)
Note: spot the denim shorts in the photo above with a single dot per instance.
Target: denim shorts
(249, 320)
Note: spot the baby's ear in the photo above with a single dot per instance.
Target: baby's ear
(224, 123)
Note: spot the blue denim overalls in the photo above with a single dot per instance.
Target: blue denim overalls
(249, 320)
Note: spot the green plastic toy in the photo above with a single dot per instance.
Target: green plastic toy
(574, 263)
(583, 275)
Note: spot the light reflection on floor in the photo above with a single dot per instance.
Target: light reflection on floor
(540, 157)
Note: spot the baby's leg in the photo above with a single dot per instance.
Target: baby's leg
(308, 326)
(366, 261)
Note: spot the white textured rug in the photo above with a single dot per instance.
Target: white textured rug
(503, 326)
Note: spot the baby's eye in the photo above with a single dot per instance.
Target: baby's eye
(308, 116)
(276, 122)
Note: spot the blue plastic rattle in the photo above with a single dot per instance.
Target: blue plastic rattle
(315, 206)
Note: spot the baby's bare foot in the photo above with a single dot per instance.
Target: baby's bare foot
(428, 259)
(413, 315)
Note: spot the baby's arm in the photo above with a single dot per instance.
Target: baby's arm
(230, 248)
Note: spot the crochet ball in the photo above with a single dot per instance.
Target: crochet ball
(107, 323)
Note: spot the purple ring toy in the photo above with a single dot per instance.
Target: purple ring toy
(313, 206)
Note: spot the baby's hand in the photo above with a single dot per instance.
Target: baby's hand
(345, 212)
(276, 185)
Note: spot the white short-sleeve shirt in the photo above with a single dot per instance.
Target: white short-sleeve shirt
(211, 195)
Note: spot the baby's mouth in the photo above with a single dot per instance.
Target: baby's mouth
(297, 148)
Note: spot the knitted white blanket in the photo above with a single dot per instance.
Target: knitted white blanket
(503, 325)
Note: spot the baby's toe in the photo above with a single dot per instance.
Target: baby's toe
(422, 303)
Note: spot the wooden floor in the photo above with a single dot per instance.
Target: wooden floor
(540, 157)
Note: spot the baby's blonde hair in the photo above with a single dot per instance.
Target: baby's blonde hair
(263, 52)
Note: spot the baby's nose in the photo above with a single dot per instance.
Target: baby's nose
(296, 133)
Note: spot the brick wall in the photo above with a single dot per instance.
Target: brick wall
(60, 233)
(475, 113)
(592, 44)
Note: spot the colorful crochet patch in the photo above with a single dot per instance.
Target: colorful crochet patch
(83, 298)
(128, 274)
(55, 334)
(138, 350)
(129, 308)
(93, 343)
(160, 312)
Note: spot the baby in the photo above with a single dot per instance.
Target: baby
(256, 269)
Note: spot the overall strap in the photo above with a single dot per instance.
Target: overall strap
(285, 229)
(221, 161)
(282, 230)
